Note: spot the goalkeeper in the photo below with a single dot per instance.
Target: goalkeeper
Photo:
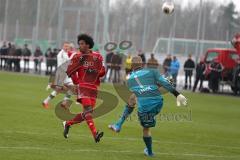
(144, 84)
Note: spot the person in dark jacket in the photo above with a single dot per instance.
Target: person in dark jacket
(143, 57)
(200, 69)
(38, 59)
(55, 53)
(17, 59)
(236, 78)
(116, 66)
(109, 68)
(26, 53)
(49, 62)
(11, 54)
(215, 76)
(152, 62)
(166, 65)
(117, 77)
(3, 52)
(189, 66)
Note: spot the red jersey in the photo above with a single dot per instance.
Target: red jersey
(71, 54)
(86, 69)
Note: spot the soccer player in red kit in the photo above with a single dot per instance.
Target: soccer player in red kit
(86, 69)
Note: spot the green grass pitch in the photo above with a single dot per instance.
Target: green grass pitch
(208, 129)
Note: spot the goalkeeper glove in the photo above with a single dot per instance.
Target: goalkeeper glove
(181, 100)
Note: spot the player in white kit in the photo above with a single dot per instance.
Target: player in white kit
(58, 86)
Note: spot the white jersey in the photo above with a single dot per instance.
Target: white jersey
(61, 76)
(62, 58)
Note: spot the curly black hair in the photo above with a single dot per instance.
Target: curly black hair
(88, 40)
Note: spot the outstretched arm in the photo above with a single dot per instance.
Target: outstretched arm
(181, 100)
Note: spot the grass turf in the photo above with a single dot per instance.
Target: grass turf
(208, 129)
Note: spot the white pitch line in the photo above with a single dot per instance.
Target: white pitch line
(116, 151)
(128, 139)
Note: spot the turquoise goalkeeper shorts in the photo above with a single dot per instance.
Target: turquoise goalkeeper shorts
(148, 119)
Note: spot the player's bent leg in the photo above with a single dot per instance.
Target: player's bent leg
(118, 125)
(66, 99)
(67, 124)
(78, 119)
(50, 97)
(126, 113)
(97, 135)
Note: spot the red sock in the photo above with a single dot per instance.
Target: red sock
(78, 119)
(90, 123)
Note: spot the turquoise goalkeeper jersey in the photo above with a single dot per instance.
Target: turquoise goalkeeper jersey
(144, 83)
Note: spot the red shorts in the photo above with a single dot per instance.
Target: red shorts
(87, 96)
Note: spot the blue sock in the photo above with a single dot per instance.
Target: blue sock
(148, 142)
(127, 111)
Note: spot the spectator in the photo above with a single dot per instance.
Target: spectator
(174, 68)
(200, 69)
(27, 54)
(115, 68)
(236, 77)
(38, 59)
(17, 59)
(48, 56)
(189, 66)
(128, 64)
(216, 69)
(118, 68)
(142, 55)
(3, 52)
(109, 65)
(11, 54)
(152, 62)
(167, 64)
(55, 53)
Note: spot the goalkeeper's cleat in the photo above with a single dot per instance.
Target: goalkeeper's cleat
(98, 136)
(66, 128)
(115, 128)
(45, 105)
(147, 154)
